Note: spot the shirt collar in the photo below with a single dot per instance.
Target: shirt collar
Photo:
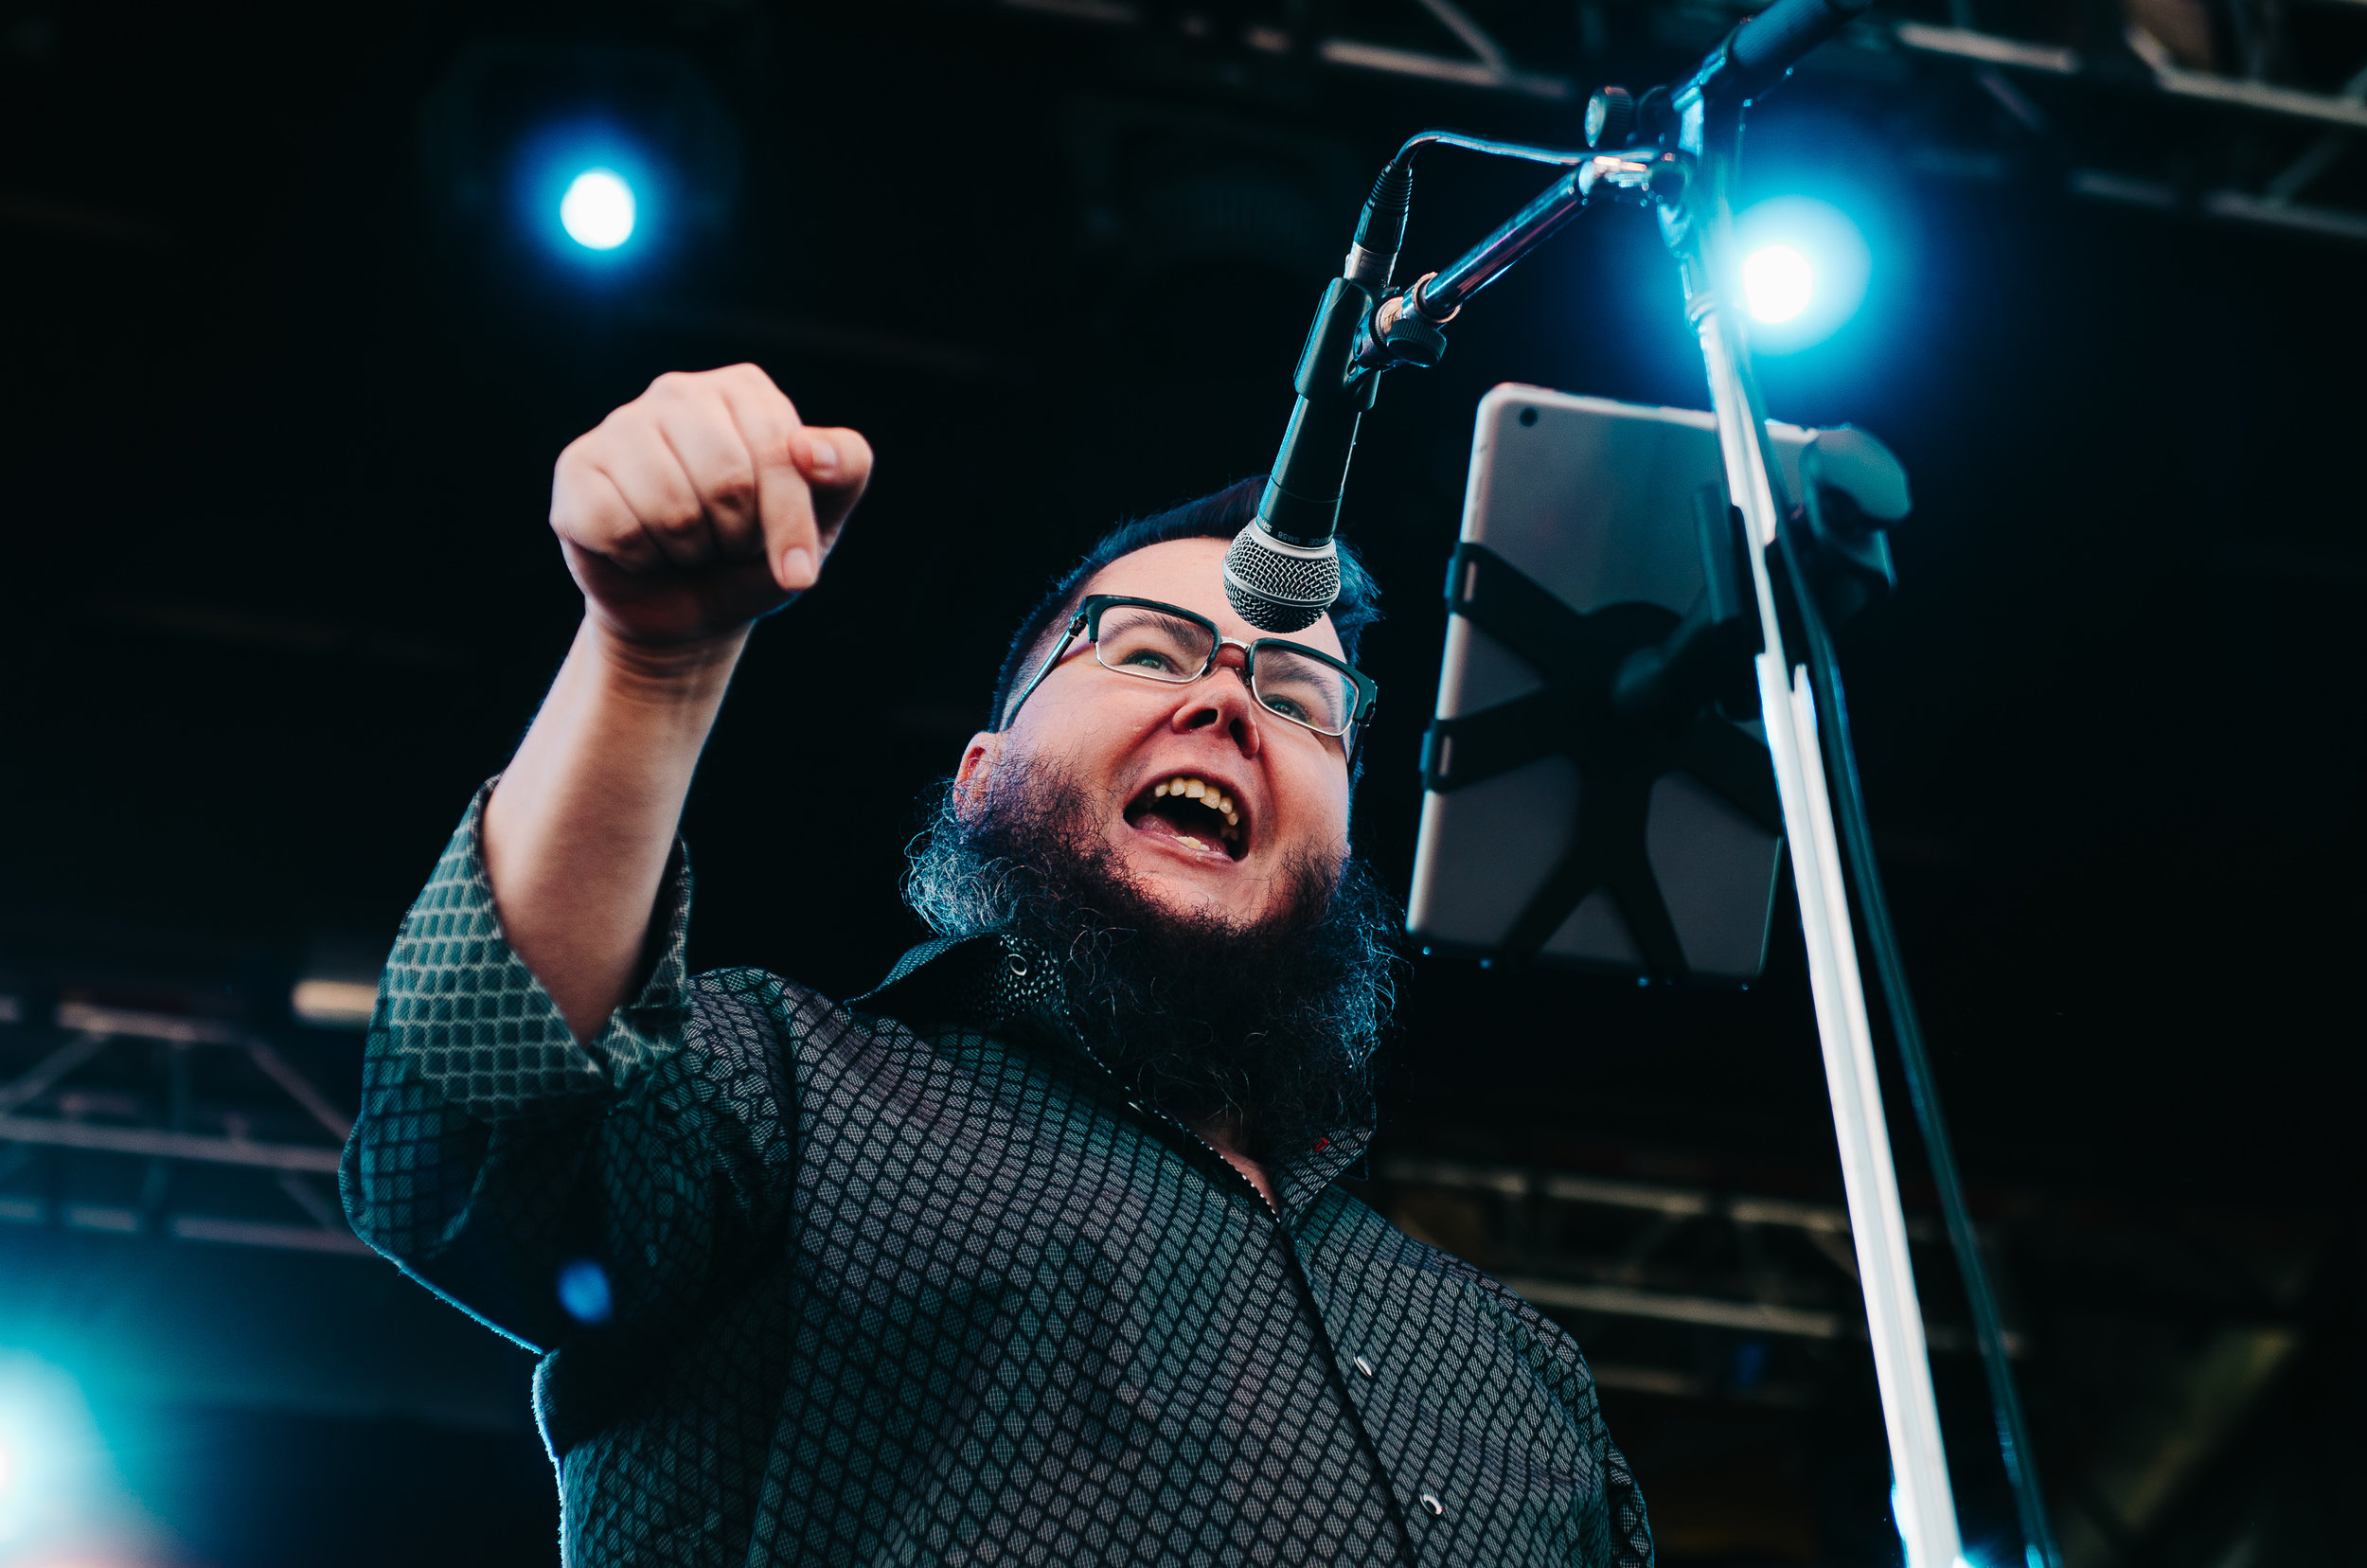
(1007, 985)
(994, 983)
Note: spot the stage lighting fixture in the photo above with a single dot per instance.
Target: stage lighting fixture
(595, 197)
(1778, 282)
(609, 168)
(597, 210)
(1805, 269)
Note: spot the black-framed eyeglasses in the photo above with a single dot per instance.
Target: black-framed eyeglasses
(1167, 642)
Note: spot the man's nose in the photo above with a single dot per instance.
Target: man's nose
(1222, 700)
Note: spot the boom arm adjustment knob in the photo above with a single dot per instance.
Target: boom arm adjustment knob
(1609, 117)
(1411, 337)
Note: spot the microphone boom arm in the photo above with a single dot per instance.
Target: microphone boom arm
(1643, 174)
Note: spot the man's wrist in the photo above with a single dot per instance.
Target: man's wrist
(670, 668)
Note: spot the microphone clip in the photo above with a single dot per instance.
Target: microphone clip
(1397, 333)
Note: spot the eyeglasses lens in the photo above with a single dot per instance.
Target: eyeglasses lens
(1307, 690)
(1136, 641)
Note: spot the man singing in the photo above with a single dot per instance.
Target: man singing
(1034, 1254)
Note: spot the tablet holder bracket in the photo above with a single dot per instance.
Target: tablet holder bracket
(1631, 696)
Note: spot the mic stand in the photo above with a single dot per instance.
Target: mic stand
(1698, 230)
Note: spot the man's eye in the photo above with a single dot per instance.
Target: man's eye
(1288, 709)
(1149, 658)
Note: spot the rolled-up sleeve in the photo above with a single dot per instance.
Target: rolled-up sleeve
(495, 1153)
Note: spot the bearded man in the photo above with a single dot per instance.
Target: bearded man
(1037, 1251)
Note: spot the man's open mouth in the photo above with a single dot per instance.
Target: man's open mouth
(1195, 811)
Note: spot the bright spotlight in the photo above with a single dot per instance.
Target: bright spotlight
(598, 211)
(48, 1450)
(1778, 282)
(1805, 268)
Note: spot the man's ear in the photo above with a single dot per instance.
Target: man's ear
(976, 772)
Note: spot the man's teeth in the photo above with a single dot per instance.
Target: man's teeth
(1185, 787)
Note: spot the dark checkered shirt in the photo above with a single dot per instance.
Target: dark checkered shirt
(911, 1279)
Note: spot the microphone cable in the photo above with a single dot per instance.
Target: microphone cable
(1560, 158)
(1380, 228)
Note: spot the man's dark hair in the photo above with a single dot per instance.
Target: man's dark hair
(1218, 516)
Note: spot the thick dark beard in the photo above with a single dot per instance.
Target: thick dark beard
(1269, 1026)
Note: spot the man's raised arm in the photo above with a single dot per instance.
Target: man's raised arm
(693, 510)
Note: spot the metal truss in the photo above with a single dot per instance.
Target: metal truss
(2153, 1335)
(108, 1132)
(1476, 60)
(1716, 1272)
(2234, 149)
(2228, 111)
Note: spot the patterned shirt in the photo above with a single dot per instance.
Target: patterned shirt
(914, 1279)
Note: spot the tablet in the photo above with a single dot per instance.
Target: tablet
(1550, 830)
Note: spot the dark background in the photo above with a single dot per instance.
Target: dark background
(286, 363)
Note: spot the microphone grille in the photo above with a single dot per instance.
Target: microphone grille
(1278, 587)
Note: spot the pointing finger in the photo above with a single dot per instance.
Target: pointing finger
(768, 424)
(836, 462)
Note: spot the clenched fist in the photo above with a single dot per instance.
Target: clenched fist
(701, 505)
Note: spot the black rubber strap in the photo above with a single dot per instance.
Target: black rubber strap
(1509, 606)
(1607, 851)
(1479, 746)
(1735, 768)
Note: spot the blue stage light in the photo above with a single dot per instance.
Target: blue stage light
(598, 209)
(1805, 271)
(574, 171)
(1778, 282)
(48, 1450)
(583, 1292)
(595, 200)
(23, 1440)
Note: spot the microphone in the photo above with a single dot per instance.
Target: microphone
(1282, 572)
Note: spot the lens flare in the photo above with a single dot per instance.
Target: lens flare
(598, 211)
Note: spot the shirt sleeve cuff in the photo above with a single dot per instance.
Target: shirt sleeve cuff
(474, 1022)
